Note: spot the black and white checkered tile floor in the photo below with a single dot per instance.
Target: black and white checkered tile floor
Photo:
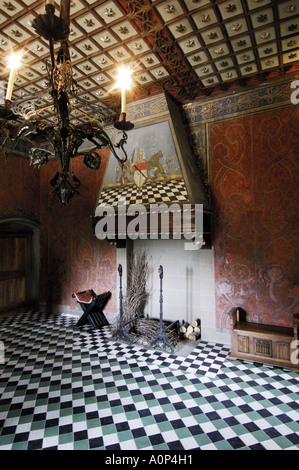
(204, 359)
(64, 388)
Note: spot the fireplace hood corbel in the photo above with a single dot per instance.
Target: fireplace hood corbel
(161, 169)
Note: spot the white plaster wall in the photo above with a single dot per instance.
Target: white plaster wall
(188, 284)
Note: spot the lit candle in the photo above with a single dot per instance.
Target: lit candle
(123, 99)
(14, 63)
(124, 82)
(10, 84)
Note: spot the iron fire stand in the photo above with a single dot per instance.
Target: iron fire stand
(161, 340)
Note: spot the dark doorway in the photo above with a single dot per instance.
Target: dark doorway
(15, 269)
(19, 265)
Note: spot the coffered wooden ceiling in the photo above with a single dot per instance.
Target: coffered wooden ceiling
(191, 48)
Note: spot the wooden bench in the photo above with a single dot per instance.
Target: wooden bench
(267, 344)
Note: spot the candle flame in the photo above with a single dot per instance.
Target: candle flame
(14, 60)
(124, 78)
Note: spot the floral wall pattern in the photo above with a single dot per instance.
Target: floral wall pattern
(255, 192)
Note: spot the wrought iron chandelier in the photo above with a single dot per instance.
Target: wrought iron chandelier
(62, 140)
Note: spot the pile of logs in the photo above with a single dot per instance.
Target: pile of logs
(191, 331)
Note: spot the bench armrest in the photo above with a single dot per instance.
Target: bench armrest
(234, 317)
(237, 315)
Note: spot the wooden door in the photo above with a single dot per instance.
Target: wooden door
(15, 265)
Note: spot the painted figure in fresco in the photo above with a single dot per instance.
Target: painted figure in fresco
(138, 172)
(127, 173)
(154, 163)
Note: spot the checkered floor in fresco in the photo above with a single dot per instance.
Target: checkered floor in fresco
(152, 193)
(64, 388)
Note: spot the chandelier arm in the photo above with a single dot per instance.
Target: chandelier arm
(52, 154)
(98, 146)
(106, 113)
(83, 153)
(51, 143)
(41, 130)
(24, 131)
(109, 144)
(120, 145)
(24, 107)
(29, 96)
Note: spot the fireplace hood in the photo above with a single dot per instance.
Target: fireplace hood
(161, 168)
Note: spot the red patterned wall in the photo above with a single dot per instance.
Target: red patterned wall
(255, 181)
(72, 258)
(19, 187)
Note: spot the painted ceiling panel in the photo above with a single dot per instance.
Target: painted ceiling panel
(191, 48)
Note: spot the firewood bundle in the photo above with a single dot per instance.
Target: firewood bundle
(191, 331)
(146, 330)
(136, 294)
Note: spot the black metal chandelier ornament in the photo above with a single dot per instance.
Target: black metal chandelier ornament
(62, 140)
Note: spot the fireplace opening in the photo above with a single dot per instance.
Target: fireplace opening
(159, 297)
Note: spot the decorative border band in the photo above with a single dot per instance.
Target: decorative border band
(240, 103)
